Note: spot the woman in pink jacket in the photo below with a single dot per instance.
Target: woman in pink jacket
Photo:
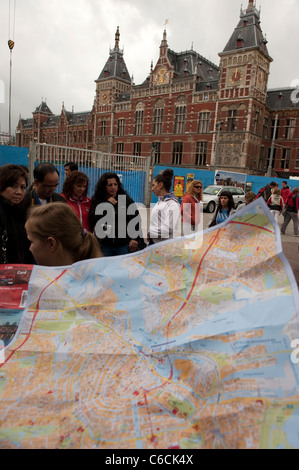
(74, 192)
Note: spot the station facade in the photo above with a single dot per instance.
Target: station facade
(188, 112)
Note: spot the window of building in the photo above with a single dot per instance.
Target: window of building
(262, 160)
(75, 137)
(156, 153)
(120, 148)
(201, 153)
(121, 127)
(177, 153)
(232, 120)
(137, 149)
(297, 159)
(290, 128)
(103, 128)
(90, 135)
(273, 158)
(204, 122)
(256, 121)
(180, 119)
(285, 160)
(266, 128)
(138, 121)
(158, 120)
(272, 128)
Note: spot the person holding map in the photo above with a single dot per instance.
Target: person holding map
(13, 183)
(190, 207)
(165, 215)
(114, 218)
(57, 237)
(225, 208)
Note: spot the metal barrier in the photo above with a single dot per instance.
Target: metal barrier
(133, 171)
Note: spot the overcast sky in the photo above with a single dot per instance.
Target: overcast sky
(61, 46)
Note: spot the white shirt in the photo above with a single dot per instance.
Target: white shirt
(165, 218)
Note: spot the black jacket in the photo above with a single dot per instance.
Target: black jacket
(14, 245)
(110, 232)
(31, 199)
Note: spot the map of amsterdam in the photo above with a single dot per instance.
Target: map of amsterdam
(182, 345)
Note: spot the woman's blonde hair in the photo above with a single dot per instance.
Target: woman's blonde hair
(276, 190)
(58, 220)
(190, 189)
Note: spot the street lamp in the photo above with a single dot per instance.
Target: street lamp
(218, 126)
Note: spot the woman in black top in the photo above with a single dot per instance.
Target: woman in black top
(114, 218)
(14, 248)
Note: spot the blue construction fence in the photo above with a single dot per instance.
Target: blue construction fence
(253, 183)
(136, 186)
(16, 155)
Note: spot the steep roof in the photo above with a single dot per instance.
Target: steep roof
(190, 63)
(43, 108)
(248, 33)
(115, 66)
(283, 98)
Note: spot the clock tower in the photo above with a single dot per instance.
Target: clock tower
(113, 82)
(244, 71)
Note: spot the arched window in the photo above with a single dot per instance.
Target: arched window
(180, 115)
(139, 115)
(158, 117)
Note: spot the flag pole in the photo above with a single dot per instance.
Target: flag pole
(11, 46)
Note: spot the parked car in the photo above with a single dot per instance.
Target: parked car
(211, 194)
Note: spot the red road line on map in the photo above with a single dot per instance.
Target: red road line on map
(252, 225)
(185, 302)
(145, 392)
(34, 316)
(216, 237)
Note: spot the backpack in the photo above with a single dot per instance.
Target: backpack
(264, 192)
(291, 204)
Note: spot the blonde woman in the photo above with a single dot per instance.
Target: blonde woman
(275, 203)
(190, 206)
(57, 237)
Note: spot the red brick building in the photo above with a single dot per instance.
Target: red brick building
(188, 112)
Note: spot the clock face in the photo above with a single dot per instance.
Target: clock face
(236, 76)
(104, 97)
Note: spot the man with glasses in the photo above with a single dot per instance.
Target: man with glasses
(46, 178)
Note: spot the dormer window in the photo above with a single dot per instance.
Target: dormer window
(245, 23)
(240, 41)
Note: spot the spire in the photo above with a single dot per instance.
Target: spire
(115, 66)
(117, 36)
(164, 45)
(164, 40)
(250, 6)
(248, 32)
